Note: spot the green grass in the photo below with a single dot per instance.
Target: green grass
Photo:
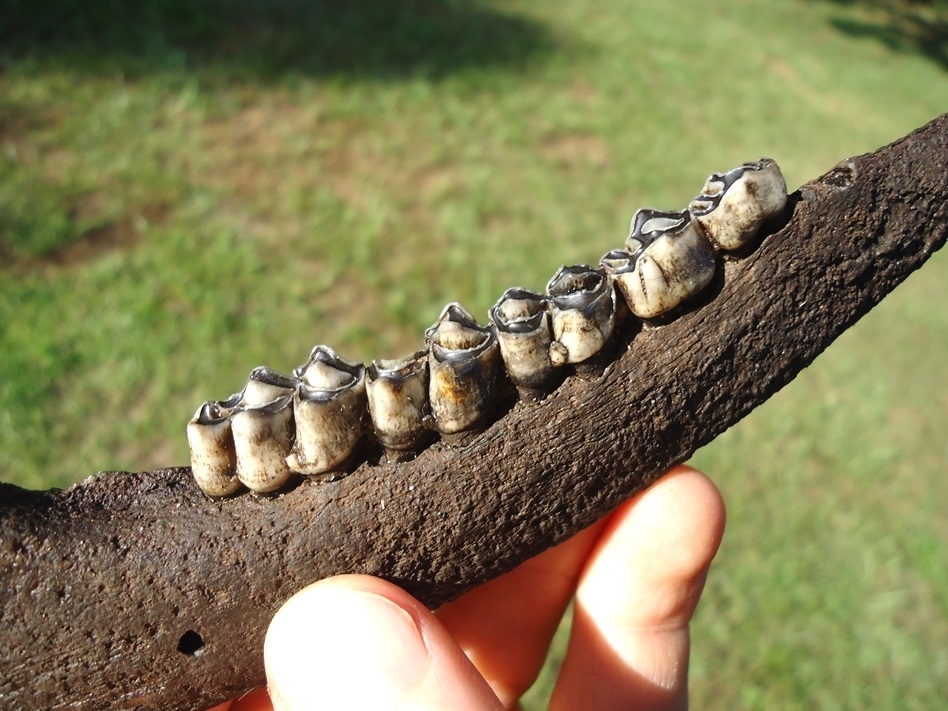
(188, 190)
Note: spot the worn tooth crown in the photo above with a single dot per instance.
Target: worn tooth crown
(263, 428)
(312, 424)
(329, 406)
(734, 205)
(211, 441)
(521, 318)
(398, 402)
(265, 385)
(582, 313)
(463, 363)
(667, 260)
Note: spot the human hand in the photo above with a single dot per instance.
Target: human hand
(358, 642)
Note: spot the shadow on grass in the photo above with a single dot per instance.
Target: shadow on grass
(382, 39)
(912, 26)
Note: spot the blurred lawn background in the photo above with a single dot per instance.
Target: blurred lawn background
(190, 188)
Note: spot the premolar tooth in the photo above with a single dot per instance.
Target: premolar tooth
(398, 403)
(329, 405)
(582, 313)
(732, 206)
(262, 423)
(211, 441)
(667, 260)
(521, 318)
(463, 363)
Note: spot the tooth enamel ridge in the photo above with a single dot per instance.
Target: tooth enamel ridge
(522, 321)
(582, 313)
(667, 259)
(733, 206)
(463, 368)
(263, 429)
(398, 403)
(211, 441)
(315, 423)
(329, 406)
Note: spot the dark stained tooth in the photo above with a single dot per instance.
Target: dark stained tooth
(329, 406)
(464, 364)
(667, 259)
(732, 206)
(213, 460)
(262, 424)
(521, 318)
(582, 313)
(398, 403)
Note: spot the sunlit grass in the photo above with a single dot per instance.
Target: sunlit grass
(242, 182)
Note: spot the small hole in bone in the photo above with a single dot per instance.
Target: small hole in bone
(191, 643)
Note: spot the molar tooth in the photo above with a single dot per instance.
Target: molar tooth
(521, 319)
(667, 259)
(732, 206)
(398, 403)
(329, 405)
(262, 424)
(463, 363)
(582, 313)
(213, 460)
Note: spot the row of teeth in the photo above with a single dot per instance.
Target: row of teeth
(311, 424)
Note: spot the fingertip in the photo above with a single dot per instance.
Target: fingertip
(330, 637)
(355, 641)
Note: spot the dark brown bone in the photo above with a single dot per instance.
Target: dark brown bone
(135, 590)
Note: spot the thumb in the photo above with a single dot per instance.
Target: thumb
(355, 641)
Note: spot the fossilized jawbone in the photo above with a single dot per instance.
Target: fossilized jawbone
(312, 424)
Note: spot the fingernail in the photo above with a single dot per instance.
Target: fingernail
(343, 649)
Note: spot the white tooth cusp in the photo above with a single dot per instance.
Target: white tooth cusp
(262, 425)
(734, 205)
(666, 260)
(521, 318)
(398, 403)
(329, 406)
(582, 314)
(211, 441)
(463, 363)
